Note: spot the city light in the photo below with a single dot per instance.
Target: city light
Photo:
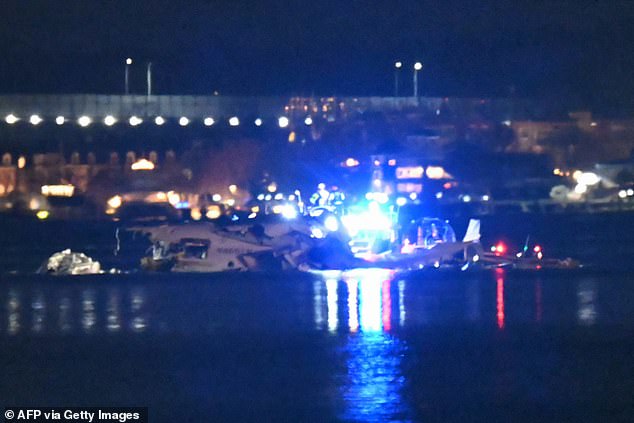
(258, 122)
(289, 211)
(35, 120)
(308, 121)
(435, 172)
(213, 212)
(42, 214)
(128, 61)
(135, 120)
(183, 121)
(159, 120)
(418, 66)
(11, 119)
(331, 223)
(588, 178)
(142, 164)
(581, 188)
(84, 121)
(172, 197)
(233, 188)
(351, 162)
(21, 162)
(195, 213)
(398, 65)
(58, 190)
(109, 120)
(60, 120)
(115, 202)
(234, 121)
(208, 121)
(283, 121)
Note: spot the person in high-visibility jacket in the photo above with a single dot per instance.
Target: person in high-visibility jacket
(320, 197)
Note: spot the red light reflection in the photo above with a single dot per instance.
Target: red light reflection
(500, 297)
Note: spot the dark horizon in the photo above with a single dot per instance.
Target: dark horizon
(574, 52)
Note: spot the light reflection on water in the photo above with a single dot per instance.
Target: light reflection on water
(372, 388)
(372, 324)
(349, 302)
(333, 320)
(62, 311)
(586, 296)
(13, 312)
(499, 298)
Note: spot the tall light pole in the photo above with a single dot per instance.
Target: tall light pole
(128, 62)
(417, 67)
(149, 79)
(397, 68)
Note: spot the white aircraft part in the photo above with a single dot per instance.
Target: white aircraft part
(473, 231)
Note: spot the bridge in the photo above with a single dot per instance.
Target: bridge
(221, 108)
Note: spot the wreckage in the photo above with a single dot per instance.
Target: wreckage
(67, 262)
(301, 243)
(320, 243)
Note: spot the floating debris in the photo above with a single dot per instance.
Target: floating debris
(67, 262)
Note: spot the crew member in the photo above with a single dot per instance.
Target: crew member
(336, 199)
(320, 197)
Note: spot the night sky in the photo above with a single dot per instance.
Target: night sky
(578, 51)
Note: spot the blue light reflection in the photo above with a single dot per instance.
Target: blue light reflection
(372, 387)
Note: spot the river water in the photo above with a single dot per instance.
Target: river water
(371, 345)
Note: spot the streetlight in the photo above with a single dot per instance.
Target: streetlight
(417, 67)
(149, 80)
(397, 67)
(128, 62)
(109, 120)
(84, 121)
(135, 121)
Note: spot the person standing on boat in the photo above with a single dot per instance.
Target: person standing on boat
(320, 197)
(336, 199)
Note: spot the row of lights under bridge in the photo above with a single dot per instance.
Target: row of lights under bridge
(110, 120)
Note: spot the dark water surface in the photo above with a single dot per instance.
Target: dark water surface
(359, 346)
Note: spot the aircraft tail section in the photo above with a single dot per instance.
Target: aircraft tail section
(473, 231)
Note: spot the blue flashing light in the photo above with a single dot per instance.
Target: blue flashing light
(182, 205)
